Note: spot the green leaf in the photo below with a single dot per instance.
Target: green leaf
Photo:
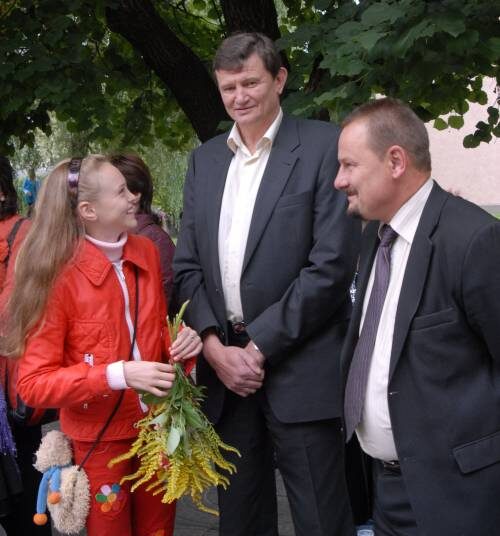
(381, 12)
(193, 419)
(160, 419)
(369, 38)
(462, 107)
(348, 30)
(424, 28)
(340, 92)
(450, 24)
(493, 44)
(173, 440)
(440, 124)
(482, 126)
(343, 65)
(151, 400)
(493, 115)
(481, 98)
(471, 141)
(456, 121)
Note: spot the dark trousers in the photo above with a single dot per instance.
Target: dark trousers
(310, 457)
(392, 512)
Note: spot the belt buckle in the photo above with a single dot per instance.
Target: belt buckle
(239, 327)
(392, 465)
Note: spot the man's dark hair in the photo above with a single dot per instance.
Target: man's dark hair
(8, 207)
(237, 48)
(392, 122)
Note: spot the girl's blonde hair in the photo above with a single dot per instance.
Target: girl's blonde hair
(50, 245)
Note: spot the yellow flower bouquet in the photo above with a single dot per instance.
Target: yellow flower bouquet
(179, 451)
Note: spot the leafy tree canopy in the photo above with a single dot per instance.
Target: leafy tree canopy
(130, 72)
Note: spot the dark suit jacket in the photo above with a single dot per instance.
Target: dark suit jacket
(298, 264)
(444, 382)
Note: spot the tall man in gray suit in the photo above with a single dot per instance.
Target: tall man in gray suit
(422, 356)
(266, 254)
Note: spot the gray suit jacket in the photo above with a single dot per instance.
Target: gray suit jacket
(298, 264)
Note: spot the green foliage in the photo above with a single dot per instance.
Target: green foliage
(168, 167)
(433, 55)
(59, 57)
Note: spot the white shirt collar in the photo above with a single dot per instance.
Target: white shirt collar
(406, 219)
(235, 142)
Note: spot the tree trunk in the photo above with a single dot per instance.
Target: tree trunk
(180, 69)
(173, 62)
(255, 16)
(252, 16)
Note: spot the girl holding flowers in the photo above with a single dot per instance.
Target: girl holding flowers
(87, 314)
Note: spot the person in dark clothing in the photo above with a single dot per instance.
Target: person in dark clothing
(139, 182)
(15, 504)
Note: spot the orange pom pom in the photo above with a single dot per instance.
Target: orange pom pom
(54, 497)
(40, 519)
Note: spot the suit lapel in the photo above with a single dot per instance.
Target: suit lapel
(278, 169)
(213, 195)
(416, 273)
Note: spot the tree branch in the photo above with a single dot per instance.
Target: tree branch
(174, 63)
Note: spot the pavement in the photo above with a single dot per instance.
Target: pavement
(191, 522)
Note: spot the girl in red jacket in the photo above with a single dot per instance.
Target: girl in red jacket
(87, 314)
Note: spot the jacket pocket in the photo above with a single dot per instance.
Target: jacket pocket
(293, 200)
(478, 454)
(434, 319)
(89, 337)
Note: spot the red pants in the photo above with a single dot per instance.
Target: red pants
(114, 510)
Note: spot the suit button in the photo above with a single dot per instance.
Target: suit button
(392, 393)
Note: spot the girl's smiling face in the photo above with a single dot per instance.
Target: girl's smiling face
(113, 208)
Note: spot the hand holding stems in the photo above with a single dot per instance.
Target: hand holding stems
(187, 345)
(155, 378)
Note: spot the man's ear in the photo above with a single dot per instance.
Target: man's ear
(281, 79)
(87, 211)
(398, 161)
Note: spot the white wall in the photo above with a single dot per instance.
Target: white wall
(471, 173)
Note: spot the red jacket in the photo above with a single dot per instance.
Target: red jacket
(7, 279)
(85, 315)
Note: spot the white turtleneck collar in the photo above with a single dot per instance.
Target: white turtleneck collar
(112, 250)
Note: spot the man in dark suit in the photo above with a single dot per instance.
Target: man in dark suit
(421, 363)
(266, 254)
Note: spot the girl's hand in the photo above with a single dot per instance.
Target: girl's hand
(155, 378)
(187, 345)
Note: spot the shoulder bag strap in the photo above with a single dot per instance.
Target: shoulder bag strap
(10, 239)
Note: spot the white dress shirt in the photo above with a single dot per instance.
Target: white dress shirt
(242, 184)
(375, 430)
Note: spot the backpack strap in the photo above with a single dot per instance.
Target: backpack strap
(10, 239)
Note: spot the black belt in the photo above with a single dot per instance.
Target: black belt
(392, 465)
(237, 334)
(238, 328)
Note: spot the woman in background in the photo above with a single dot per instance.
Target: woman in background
(139, 182)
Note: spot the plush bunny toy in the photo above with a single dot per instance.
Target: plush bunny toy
(64, 488)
